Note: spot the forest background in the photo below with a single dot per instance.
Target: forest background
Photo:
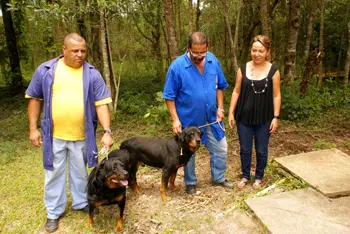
(132, 43)
(310, 44)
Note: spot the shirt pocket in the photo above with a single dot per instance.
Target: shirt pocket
(213, 80)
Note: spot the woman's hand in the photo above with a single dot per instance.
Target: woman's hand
(231, 120)
(274, 125)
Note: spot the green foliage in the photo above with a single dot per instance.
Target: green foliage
(137, 88)
(319, 144)
(157, 114)
(333, 95)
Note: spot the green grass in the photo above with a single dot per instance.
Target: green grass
(22, 173)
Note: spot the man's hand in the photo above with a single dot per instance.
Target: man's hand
(35, 138)
(177, 126)
(220, 115)
(107, 141)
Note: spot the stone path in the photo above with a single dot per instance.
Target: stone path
(315, 209)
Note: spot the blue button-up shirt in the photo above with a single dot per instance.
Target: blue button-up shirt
(195, 93)
(94, 90)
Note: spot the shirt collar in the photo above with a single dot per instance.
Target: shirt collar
(52, 62)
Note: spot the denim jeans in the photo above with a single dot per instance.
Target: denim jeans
(55, 195)
(218, 156)
(261, 136)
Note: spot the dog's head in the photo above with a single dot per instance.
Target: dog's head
(114, 171)
(190, 138)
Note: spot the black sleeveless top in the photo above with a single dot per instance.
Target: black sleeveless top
(255, 105)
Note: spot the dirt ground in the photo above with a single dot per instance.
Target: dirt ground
(216, 209)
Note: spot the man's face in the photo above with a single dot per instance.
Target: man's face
(74, 53)
(198, 52)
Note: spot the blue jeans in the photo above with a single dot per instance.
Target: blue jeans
(218, 156)
(55, 195)
(261, 136)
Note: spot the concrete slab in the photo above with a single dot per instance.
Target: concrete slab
(302, 211)
(326, 170)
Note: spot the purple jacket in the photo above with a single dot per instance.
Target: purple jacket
(94, 90)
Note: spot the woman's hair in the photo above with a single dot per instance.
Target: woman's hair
(264, 40)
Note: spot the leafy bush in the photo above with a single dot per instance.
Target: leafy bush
(332, 96)
(157, 114)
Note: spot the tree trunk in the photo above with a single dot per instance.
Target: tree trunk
(198, 14)
(320, 47)
(81, 20)
(310, 27)
(234, 66)
(104, 52)
(265, 17)
(179, 23)
(110, 63)
(16, 80)
(290, 52)
(341, 43)
(347, 63)
(310, 67)
(190, 18)
(170, 29)
(94, 48)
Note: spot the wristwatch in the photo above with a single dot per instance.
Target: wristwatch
(276, 117)
(108, 131)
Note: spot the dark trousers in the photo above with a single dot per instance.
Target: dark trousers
(260, 134)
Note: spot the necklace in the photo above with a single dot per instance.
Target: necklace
(263, 90)
(252, 79)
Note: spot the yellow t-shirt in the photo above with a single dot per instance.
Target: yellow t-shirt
(68, 103)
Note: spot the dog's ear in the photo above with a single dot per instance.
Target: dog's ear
(181, 136)
(102, 163)
(200, 132)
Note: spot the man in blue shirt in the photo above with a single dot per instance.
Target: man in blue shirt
(194, 96)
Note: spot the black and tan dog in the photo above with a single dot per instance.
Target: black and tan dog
(168, 154)
(107, 184)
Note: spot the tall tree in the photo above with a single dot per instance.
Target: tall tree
(265, 17)
(148, 22)
(292, 38)
(311, 5)
(190, 17)
(347, 63)
(170, 29)
(224, 6)
(320, 46)
(198, 14)
(16, 80)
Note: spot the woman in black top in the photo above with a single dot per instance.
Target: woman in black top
(255, 107)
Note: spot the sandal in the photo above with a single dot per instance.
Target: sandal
(242, 183)
(257, 184)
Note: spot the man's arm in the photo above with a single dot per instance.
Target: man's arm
(105, 120)
(220, 114)
(177, 127)
(33, 117)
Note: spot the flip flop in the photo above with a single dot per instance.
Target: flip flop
(242, 184)
(257, 184)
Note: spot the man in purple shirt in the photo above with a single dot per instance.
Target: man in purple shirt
(194, 95)
(75, 145)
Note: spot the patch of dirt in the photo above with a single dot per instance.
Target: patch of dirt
(213, 209)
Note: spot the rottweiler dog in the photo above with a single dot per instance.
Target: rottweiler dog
(168, 154)
(107, 184)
